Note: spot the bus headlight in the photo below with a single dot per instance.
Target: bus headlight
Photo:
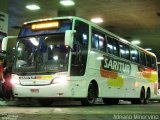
(15, 81)
(62, 79)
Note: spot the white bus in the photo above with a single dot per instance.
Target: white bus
(69, 57)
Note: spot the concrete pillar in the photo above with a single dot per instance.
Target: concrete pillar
(3, 16)
(4, 6)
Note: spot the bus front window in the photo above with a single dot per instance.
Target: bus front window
(41, 54)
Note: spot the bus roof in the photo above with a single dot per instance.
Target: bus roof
(94, 25)
(48, 19)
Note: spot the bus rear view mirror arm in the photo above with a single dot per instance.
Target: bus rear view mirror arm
(69, 34)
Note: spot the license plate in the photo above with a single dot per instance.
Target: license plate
(34, 90)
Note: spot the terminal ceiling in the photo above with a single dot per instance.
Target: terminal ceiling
(130, 19)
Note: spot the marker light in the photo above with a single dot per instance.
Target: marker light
(33, 7)
(67, 2)
(97, 20)
(135, 42)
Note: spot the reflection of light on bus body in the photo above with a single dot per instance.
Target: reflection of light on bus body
(51, 46)
(100, 58)
(14, 79)
(61, 79)
(84, 36)
(55, 57)
(110, 46)
(134, 52)
(19, 49)
(136, 84)
(34, 41)
(100, 43)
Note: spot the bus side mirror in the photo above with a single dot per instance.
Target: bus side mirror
(5, 41)
(4, 44)
(69, 34)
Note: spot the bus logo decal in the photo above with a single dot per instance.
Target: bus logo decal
(116, 65)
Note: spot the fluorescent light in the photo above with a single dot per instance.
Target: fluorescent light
(67, 2)
(33, 7)
(149, 49)
(97, 20)
(135, 42)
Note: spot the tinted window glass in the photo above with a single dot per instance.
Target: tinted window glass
(134, 55)
(98, 40)
(148, 60)
(142, 59)
(112, 46)
(80, 48)
(154, 62)
(82, 33)
(124, 51)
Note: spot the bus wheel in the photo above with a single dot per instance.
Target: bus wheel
(147, 96)
(91, 97)
(45, 102)
(140, 100)
(110, 101)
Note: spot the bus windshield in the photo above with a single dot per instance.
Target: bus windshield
(41, 54)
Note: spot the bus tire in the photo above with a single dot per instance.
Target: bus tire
(45, 102)
(110, 101)
(91, 97)
(148, 94)
(141, 99)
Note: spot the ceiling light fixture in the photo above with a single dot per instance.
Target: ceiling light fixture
(97, 20)
(135, 42)
(32, 7)
(67, 2)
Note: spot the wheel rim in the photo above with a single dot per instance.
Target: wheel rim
(91, 95)
(142, 97)
(147, 97)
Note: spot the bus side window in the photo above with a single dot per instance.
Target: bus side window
(82, 33)
(112, 46)
(98, 40)
(148, 60)
(142, 58)
(94, 41)
(80, 48)
(134, 55)
(124, 51)
(153, 59)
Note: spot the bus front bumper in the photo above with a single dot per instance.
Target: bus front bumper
(69, 90)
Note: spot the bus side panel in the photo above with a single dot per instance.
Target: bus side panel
(112, 84)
